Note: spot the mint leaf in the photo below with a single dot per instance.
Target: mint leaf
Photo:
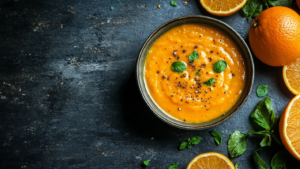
(173, 166)
(193, 56)
(263, 116)
(183, 145)
(279, 160)
(259, 161)
(219, 66)
(237, 143)
(217, 136)
(210, 82)
(262, 90)
(197, 74)
(173, 3)
(146, 163)
(178, 67)
(252, 8)
(287, 3)
(236, 166)
(196, 140)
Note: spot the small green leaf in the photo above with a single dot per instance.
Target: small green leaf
(111, 8)
(287, 3)
(189, 140)
(178, 67)
(252, 8)
(262, 90)
(197, 74)
(173, 166)
(193, 56)
(219, 66)
(183, 145)
(146, 163)
(210, 82)
(259, 161)
(279, 160)
(236, 166)
(196, 140)
(217, 136)
(266, 141)
(237, 143)
(189, 146)
(173, 3)
(263, 116)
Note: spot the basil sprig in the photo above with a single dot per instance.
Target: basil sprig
(190, 141)
(193, 56)
(178, 67)
(219, 66)
(217, 136)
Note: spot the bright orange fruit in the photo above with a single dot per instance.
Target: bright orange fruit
(289, 127)
(222, 7)
(291, 76)
(210, 160)
(274, 36)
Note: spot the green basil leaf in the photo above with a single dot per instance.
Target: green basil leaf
(237, 143)
(259, 161)
(210, 82)
(146, 163)
(287, 3)
(236, 166)
(183, 145)
(263, 116)
(274, 136)
(196, 140)
(266, 141)
(111, 8)
(217, 136)
(197, 74)
(189, 146)
(189, 140)
(262, 90)
(173, 166)
(193, 56)
(173, 3)
(252, 8)
(178, 67)
(279, 160)
(219, 66)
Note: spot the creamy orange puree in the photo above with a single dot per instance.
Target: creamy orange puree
(184, 96)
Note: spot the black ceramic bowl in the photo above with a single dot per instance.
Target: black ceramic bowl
(198, 20)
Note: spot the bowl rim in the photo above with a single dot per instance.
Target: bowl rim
(234, 111)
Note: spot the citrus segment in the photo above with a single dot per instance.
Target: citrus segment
(289, 127)
(291, 76)
(222, 7)
(274, 36)
(210, 160)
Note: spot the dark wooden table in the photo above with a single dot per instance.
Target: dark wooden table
(68, 95)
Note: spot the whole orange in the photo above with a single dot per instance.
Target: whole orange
(274, 36)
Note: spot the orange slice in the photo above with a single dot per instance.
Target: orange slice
(222, 7)
(291, 76)
(210, 160)
(289, 127)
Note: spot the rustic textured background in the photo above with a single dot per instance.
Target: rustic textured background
(68, 95)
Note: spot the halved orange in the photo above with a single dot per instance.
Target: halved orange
(210, 160)
(289, 127)
(222, 7)
(291, 76)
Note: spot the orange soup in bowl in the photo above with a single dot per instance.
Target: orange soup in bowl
(195, 73)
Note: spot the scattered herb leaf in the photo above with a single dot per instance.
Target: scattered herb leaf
(259, 161)
(236, 166)
(193, 56)
(173, 166)
(219, 66)
(173, 3)
(237, 143)
(279, 160)
(183, 145)
(217, 136)
(197, 74)
(196, 140)
(111, 8)
(146, 163)
(266, 141)
(262, 90)
(263, 116)
(287, 3)
(189, 146)
(178, 67)
(210, 82)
